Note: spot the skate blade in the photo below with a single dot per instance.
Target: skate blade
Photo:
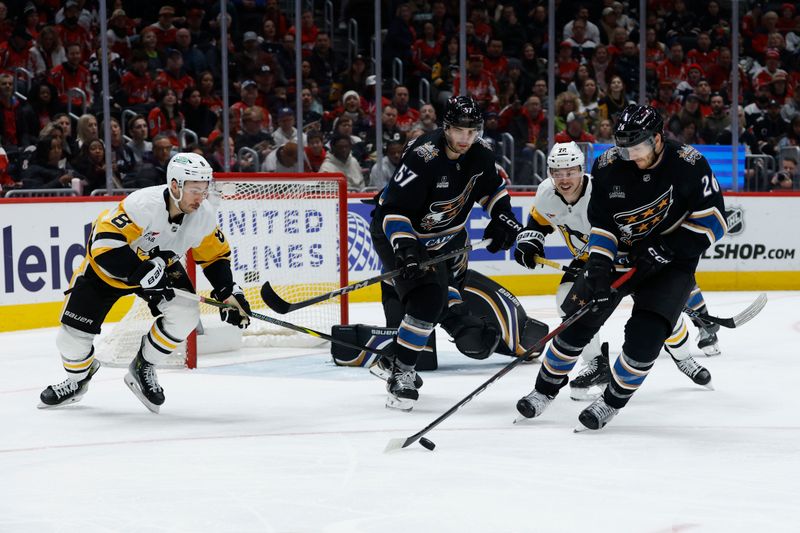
(711, 351)
(709, 386)
(585, 395)
(400, 404)
(379, 372)
(521, 419)
(580, 428)
(134, 387)
(43, 405)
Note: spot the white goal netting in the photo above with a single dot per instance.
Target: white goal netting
(285, 229)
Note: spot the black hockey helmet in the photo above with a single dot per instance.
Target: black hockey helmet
(636, 124)
(463, 112)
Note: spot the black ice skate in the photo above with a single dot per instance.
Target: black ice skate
(596, 416)
(68, 391)
(593, 378)
(143, 382)
(707, 340)
(696, 372)
(533, 404)
(402, 387)
(382, 368)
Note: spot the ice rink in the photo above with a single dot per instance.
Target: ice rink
(290, 443)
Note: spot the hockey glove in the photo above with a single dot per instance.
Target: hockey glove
(408, 255)
(503, 230)
(237, 315)
(151, 277)
(597, 277)
(530, 245)
(649, 260)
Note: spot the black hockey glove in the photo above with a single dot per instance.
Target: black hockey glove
(649, 260)
(597, 278)
(530, 245)
(408, 255)
(237, 315)
(151, 277)
(503, 230)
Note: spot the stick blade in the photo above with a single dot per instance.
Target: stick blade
(752, 310)
(397, 444)
(273, 301)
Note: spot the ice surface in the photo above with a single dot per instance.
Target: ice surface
(285, 441)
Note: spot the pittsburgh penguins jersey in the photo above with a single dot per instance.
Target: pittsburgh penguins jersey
(677, 200)
(139, 228)
(551, 211)
(430, 195)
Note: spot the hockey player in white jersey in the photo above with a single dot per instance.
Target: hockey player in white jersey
(135, 248)
(561, 204)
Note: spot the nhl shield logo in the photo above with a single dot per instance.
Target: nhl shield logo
(734, 217)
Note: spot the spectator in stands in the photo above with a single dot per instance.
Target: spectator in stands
(382, 171)
(46, 53)
(534, 67)
(758, 107)
(607, 24)
(582, 46)
(69, 144)
(197, 116)
(149, 45)
(406, 115)
(87, 129)
(252, 135)
(15, 52)
(665, 100)
(773, 61)
(680, 22)
(495, 62)
(481, 84)
(605, 132)
(575, 130)
(137, 130)
(793, 38)
(674, 68)
(250, 98)
(655, 51)
(270, 41)
(71, 32)
(120, 31)
(217, 156)
(443, 72)
(711, 20)
(615, 99)
(340, 159)
(123, 160)
(427, 119)
(71, 74)
(136, 85)
(746, 136)
(626, 66)
(344, 126)
(426, 50)
(787, 177)
(308, 33)
(770, 128)
(779, 88)
(618, 39)
(589, 102)
(758, 44)
(715, 122)
(791, 108)
(510, 31)
(154, 170)
(166, 119)
(566, 66)
(164, 30)
(91, 164)
(351, 109)
(601, 66)
(174, 76)
(592, 31)
(323, 63)
(312, 110)
(39, 110)
(282, 159)
(43, 170)
(352, 79)
(690, 112)
(792, 137)
(273, 13)
(208, 94)
(540, 90)
(315, 150)
(286, 130)
(566, 103)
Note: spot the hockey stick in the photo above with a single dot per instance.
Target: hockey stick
(733, 322)
(398, 443)
(288, 325)
(279, 305)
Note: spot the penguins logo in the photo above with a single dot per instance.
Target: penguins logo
(445, 211)
(638, 223)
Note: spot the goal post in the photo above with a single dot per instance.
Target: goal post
(286, 228)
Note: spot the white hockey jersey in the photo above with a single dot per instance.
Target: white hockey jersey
(550, 211)
(141, 224)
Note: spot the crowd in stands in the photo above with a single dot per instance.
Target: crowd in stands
(166, 71)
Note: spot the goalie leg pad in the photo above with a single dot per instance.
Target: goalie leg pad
(474, 337)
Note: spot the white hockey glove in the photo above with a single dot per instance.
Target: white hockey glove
(239, 315)
(530, 245)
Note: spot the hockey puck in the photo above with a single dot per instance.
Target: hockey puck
(427, 443)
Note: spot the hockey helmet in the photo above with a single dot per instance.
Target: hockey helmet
(637, 124)
(566, 155)
(463, 112)
(188, 167)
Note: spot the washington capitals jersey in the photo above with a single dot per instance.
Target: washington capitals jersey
(430, 195)
(551, 211)
(678, 199)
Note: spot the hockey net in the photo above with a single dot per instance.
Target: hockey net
(288, 229)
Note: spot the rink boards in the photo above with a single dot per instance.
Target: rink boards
(42, 243)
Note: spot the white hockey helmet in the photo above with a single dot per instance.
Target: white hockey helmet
(566, 155)
(185, 167)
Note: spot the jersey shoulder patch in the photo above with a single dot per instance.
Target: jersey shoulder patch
(689, 154)
(485, 143)
(426, 151)
(607, 157)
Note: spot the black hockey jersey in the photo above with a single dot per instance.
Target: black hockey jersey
(430, 195)
(678, 199)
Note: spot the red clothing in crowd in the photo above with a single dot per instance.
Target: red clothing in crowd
(11, 58)
(77, 34)
(138, 88)
(426, 54)
(498, 67)
(565, 137)
(667, 108)
(214, 103)
(482, 87)
(238, 108)
(159, 124)
(667, 70)
(64, 78)
(705, 59)
(165, 37)
(165, 80)
(566, 70)
(314, 161)
(407, 119)
(308, 38)
(9, 113)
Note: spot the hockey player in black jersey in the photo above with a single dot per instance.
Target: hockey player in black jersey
(422, 213)
(656, 206)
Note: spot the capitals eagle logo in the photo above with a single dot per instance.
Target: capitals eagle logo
(637, 223)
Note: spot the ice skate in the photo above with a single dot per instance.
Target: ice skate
(141, 379)
(382, 369)
(68, 391)
(707, 340)
(596, 416)
(402, 387)
(592, 379)
(533, 405)
(696, 372)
